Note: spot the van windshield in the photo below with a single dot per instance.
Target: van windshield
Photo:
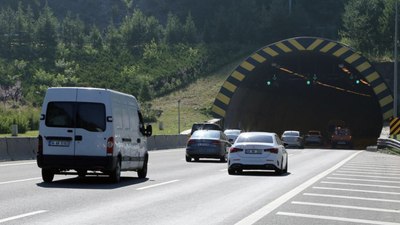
(85, 115)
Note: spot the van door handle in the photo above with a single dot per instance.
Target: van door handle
(78, 138)
(138, 140)
(69, 131)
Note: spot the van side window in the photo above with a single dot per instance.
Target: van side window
(60, 114)
(141, 123)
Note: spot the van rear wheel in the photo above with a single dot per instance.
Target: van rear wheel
(115, 175)
(47, 175)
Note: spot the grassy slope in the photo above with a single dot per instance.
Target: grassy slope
(196, 98)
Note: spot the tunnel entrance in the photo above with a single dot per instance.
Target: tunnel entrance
(305, 84)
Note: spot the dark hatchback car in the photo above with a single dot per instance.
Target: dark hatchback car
(207, 144)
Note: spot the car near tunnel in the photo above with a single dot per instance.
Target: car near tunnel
(313, 137)
(292, 138)
(257, 151)
(207, 144)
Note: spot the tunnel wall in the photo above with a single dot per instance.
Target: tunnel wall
(319, 45)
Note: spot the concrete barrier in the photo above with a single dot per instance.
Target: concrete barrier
(22, 148)
(3, 150)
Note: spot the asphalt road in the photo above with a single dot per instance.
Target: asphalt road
(321, 187)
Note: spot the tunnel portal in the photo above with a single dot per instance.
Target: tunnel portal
(305, 84)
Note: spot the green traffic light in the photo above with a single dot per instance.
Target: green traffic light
(268, 83)
(308, 82)
(357, 81)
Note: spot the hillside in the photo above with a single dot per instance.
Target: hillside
(196, 100)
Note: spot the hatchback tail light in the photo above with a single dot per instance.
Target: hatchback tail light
(233, 150)
(216, 142)
(110, 145)
(191, 142)
(272, 150)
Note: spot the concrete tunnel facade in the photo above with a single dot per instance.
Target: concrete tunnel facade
(305, 83)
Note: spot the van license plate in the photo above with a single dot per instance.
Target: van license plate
(59, 143)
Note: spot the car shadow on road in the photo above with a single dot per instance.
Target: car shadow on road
(93, 182)
(207, 161)
(261, 174)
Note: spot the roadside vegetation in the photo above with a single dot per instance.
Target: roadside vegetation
(161, 51)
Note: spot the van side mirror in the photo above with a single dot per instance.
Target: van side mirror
(148, 131)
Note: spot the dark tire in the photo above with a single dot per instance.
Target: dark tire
(286, 167)
(142, 173)
(231, 171)
(115, 175)
(47, 175)
(82, 173)
(196, 159)
(188, 159)
(223, 158)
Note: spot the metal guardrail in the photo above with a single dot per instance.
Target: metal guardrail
(388, 142)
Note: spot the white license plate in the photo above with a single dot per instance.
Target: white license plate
(59, 143)
(253, 151)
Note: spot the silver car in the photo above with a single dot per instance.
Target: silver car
(292, 138)
(232, 134)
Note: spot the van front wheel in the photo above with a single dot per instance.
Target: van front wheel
(142, 173)
(47, 175)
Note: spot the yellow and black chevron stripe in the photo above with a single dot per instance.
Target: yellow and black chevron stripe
(395, 128)
(320, 45)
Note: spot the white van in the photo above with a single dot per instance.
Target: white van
(91, 129)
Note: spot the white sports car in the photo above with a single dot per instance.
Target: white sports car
(258, 151)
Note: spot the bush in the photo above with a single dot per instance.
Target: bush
(26, 119)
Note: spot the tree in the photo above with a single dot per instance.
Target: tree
(46, 34)
(366, 25)
(173, 30)
(189, 30)
(138, 30)
(72, 31)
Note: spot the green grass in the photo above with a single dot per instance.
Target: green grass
(33, 133)
(197, 98)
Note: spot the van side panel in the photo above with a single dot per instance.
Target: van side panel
(124, 129)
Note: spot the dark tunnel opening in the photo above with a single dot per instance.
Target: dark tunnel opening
(306, 91)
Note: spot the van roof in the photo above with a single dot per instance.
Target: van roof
(90, 88)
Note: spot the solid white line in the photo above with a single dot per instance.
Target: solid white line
(17, 164)
(351, 220)
(254, 217)
(351, 197)
(355, 179)
(369, 172)
(356, 184)
(362, 175)
(22, 216)
(358, 190)
(156, 185)
(347, 207)
(17, 181)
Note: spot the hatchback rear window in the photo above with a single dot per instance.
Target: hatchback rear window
(255, 138)
(206, 134)
(88, 116)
